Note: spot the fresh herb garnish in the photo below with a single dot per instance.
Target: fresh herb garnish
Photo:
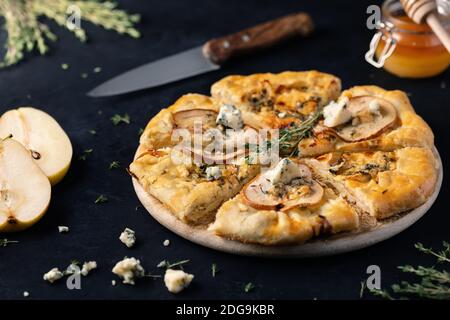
(249, 287)
(289, 138)
(5, 242)
(433, 284)
(85, 154)
(114, 165)
(64, 66)
(117, 119)
(214, 270)
(141, 131)
(101, 199)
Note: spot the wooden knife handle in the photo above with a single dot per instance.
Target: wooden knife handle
(265, 35)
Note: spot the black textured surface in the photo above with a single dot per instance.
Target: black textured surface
(170, 26)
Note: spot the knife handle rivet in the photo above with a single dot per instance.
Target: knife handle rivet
(226, 44)
(245, 38)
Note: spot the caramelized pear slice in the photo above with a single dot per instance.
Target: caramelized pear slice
(256, 193)
(371, 115)
(186, 118)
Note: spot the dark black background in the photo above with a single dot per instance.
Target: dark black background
(170, 26)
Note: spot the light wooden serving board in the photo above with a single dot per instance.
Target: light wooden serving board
(321, 247)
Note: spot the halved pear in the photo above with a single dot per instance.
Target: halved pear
(24, 189)
(46, 141)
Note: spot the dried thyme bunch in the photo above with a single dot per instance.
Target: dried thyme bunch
(26, 33)
(433, 284)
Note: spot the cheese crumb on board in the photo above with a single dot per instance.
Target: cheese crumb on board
(63, 229)
(26, 294)
(166, 243)
(128, 237)
(88, 267)
(129, 269)
(53, 275)
(177, 280)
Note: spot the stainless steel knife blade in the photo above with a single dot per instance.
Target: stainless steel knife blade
(178, 66)
(208, 57)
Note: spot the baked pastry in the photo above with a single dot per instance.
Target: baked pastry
(191, 191)
(284, 205)
(380, 183)
(377, 119)
(348, 160)
(269, 100)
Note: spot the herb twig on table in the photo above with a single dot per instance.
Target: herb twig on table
(85, 154)
(5, 242)
(101, 199)
(114, 165)
(214, 270)
(166, 264)
(249, 287)
(117, 119)
(28, 32)
(433, 283)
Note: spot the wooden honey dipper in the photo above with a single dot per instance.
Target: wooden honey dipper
(426, 10)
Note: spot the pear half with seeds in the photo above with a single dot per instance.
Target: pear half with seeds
(42, 136)
(24, 189)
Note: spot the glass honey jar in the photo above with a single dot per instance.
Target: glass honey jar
(415, 51)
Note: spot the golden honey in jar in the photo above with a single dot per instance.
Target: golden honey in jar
(418, 52)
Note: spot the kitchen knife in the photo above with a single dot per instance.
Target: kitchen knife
(211, 56)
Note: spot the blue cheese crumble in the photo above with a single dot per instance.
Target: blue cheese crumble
(213, 173)
(229, 116)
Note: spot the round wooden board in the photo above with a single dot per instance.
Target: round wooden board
(315, 248)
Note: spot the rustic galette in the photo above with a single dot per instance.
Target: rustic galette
(343, 161)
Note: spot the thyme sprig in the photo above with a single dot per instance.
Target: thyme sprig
(26, 33)
(5, 242)
(433, 284)
(166, 264)
(289, 137)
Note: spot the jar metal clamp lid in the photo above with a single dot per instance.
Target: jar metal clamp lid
(389, 46)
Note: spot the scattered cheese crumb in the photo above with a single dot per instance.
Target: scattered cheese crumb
(113, 282)
(128, 237)
(88, 267)
(282, 115)
(166, 243)
(63, 229)
(26, 294)
(129, 269)
(177, 280)
(53, 275)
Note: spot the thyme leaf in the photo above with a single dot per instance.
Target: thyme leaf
(117, 119)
